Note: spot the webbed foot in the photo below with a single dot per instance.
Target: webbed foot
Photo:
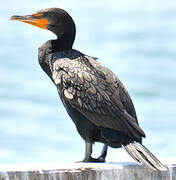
(92, 160)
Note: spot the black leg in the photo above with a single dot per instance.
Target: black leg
(88, 152)
(103, 153)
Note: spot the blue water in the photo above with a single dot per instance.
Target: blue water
(135, 39)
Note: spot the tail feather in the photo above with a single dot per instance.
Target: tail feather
(132, 153)
(142, 155)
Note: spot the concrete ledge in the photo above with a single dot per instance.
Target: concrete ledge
(88, 171)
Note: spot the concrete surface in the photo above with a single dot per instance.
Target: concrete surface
(85, 171)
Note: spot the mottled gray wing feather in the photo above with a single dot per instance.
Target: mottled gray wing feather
(97, 93)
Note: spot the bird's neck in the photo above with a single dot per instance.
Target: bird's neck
(62, 43)
(52, 46)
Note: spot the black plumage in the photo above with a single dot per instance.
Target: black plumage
(93, 96)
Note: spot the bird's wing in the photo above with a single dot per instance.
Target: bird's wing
(97, 93)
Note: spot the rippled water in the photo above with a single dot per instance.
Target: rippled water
(135, 39)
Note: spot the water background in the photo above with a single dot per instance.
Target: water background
(135, 39)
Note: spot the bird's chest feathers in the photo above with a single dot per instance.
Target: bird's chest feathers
(44, 53)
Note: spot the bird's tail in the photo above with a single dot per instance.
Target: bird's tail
(142, 155)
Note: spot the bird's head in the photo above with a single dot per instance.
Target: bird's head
(54, 19)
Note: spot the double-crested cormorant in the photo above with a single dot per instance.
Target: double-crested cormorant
(93, 96)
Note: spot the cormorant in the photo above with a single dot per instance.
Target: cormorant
(93, 96)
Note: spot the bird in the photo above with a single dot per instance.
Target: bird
(93, 96)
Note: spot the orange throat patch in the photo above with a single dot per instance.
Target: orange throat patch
(42, 23)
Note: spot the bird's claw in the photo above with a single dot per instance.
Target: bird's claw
(92, 160)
